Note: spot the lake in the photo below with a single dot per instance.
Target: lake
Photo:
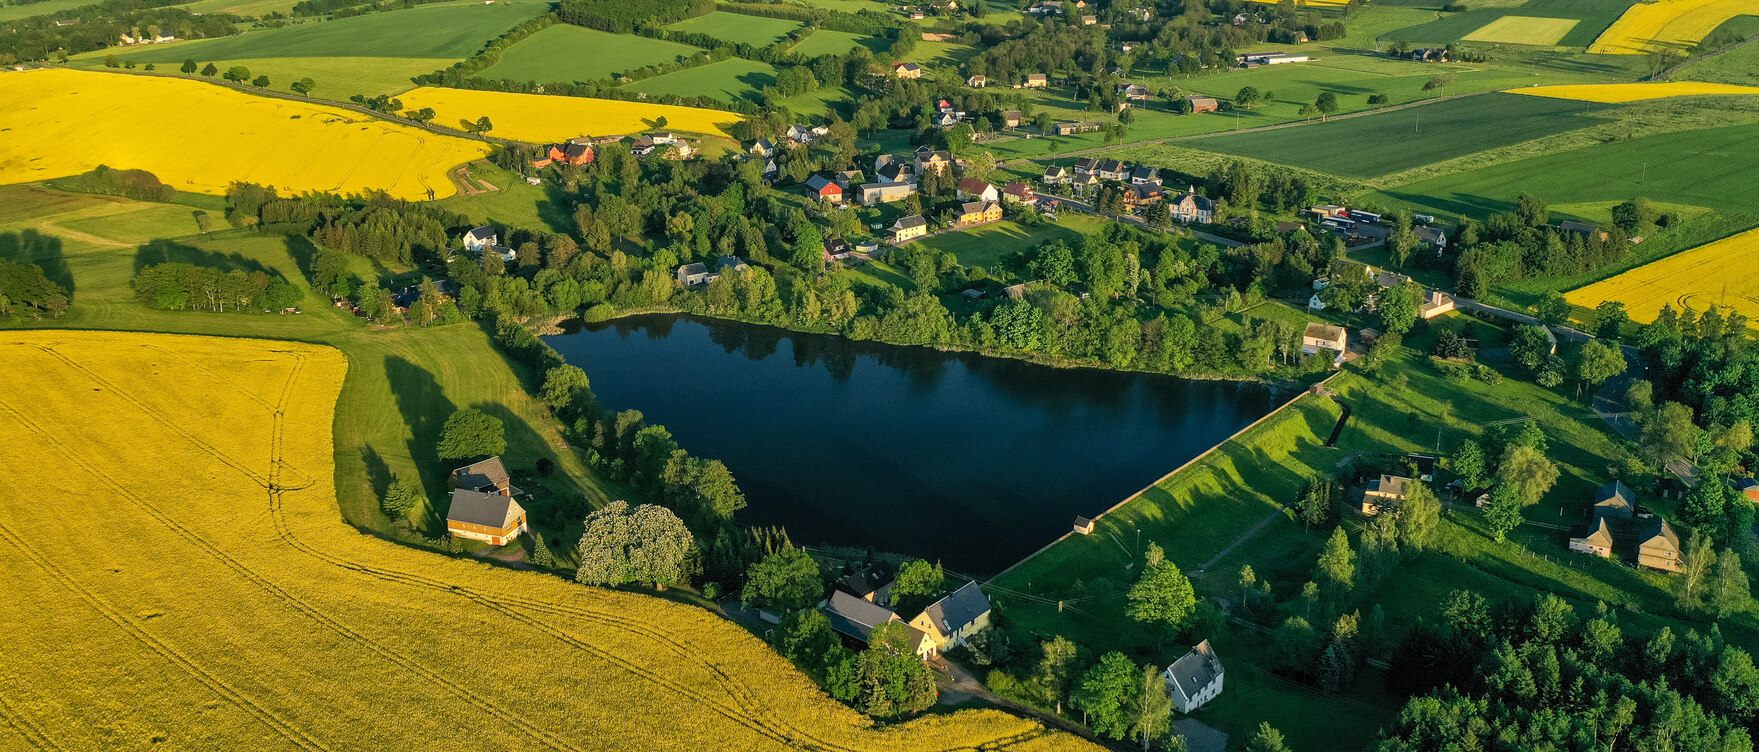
(969, 460)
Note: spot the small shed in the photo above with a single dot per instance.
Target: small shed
(1083, 526)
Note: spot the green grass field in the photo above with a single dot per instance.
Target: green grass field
(45, 8)
(824, 42)
(1591, 17)
(1738, 66)
(756, 31)
(576, 53)
(1385, 143)
(1710, 168)
(729, 80)
(240, 7)
(1524, 30)
(988, 245)
(934, 56)
(452, 31)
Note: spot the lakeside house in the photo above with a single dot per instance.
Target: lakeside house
(697, 273)
(1084, 525)
(872, 583)
(856, 619)
(1194, 679)
(1319, 336)
(951, 620)
(1387, 491)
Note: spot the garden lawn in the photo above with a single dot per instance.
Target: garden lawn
(989, 245)
(1384, 143)
(728, 80)
(452, 31)
(1486, 24)
(824, 42)
(756, 31)
(934, 56)
(1710, 168)
(575, 53)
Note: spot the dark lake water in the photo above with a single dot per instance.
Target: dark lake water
(972, 461)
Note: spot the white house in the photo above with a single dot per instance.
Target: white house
(1194, 679)
(482, 237)
(1322, 337)
(953, 619)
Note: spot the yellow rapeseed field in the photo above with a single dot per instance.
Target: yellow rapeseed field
(1667, 24)
(177, 576)
(1613, 93)
(537, 118)
(201, 137)
(1699, 278)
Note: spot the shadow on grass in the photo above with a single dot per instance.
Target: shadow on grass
(425, 408)
(32, 247)
(168, 252)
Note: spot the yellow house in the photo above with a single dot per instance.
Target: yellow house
(488, 517)
(1385, 491)
(953, 619)
(979, 212)
(909, 228)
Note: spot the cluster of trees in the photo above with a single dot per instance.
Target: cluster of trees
(625, 16)
(1701, 397)
(135, 184)
(1514, 461)
(1532, 675)
(178, 286)
(39, 38)
(26, 292)
(376, 226)
(886, 680)
(1522, 243)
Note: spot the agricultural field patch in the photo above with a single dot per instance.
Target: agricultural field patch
(935, 55)
(728, 80)
(1668, 24)
(45, 8)
(339, 78)
(1591, 17)
(1616, 93)
(1697, 279)
(1393, 141)
(537, 118)
(240, 7)
(575, 53)
(824, 42)
(431, 31)
(238, 589)
(756, 31)
(1524, 30)
(291, 145)
(1737, 66)
(1710, 168)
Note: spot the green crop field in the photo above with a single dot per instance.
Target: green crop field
(1737, 66)
(838, 42)
(756, 31)
(576, 53)
(1389, 142)
(727, 80)
(47, 7)
(934, 56)
(1711, 168)
(1591, 17)
(240, 7)
(429, 31)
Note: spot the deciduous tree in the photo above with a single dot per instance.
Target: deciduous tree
(470, 432)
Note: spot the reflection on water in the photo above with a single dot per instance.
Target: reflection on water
(969, 460)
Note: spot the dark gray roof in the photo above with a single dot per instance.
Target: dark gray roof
(870, 579)
(1144, 172)
(958, 610)
(729, 262)
(1111, 165)
(1196, 669)
(818, 183)
(1615, 499)
(487, 474)
(1425, 463)
(855, 617)
(477, 508)
(484, 233)
(1658, 533)
(973, 207)
(692, 269)
(914, 220)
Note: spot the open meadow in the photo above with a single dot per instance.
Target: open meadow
(756, 31)
(201, 137)
(729, 80)
(823, 42)
(214, 600)
(45, 8)
(537, 118)
(575, 53)
(1697, 279)
(1668, 24)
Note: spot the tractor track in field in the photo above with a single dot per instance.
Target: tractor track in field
(742, 707)
(33, 734)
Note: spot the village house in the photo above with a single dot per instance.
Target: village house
(872, 583)
(1012, 118)
(1660, 548)
(856, 619)
(1432, 237)
(908, 228)
(1111, 169)
(762, 148)
(1189, 207)
(907, 70)
(1747, 487)
(1054, 175)
(1319, 336)
(1135, 92)
(1382, 492)
(974, 213)
(824, 189)
(693, 274)
(1127, 47)
(1585, 230)
(1046, 7)
(578, 151)
(769, 168)
(946, 119)
(977, 82)
(662, 138)
(492, 518)
(642, 145)
(1595, 540)
(1194, 679)
(849, 179)
(1669, 487)
(1144, 174)
(729, 263)
(1435, 304)
(480, 238)
(1084, 526)
(1037, 81)
(1615, 500)
(1069, 129)
(1086, 165)
(952, 620)
(1142, 195)
(972, 188)
(874, 194)
(1254, 59)
(1016, 192)
(1081, 183)
(1089, 20)
(1614, 506)
(800, 134)
(486, 476)
(1423, 465)
(930, 159)
(1430, 54)
(892, 169)
(1203, 104)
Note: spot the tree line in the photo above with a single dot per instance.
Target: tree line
(177, 286)
(39, 38)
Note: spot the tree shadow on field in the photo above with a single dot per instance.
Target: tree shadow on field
(44, 251)
(425, 408)
(378, 474)
(168, 251)
(525, 445)
(303, 253)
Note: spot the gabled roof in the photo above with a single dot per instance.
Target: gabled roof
(1431, 235)
(763, 145)
(1391, 485)
(1615, 499)
(1596, 534)
(905, 223)
(1144, 172)
(489, 473)
(691, 270)
(478, 508)
(729, 262)
(891, 171)
(835, 246)
(854, 616)
(485, 234)
(959, 609)
(871, 577)
(975, 207)
(1110, 165)
(1581, 228)
(1086, 164)
(1055, 171)
(1195, 670)
(818, 184)
(1017, 188)
(1661, 535)
(974, 186)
